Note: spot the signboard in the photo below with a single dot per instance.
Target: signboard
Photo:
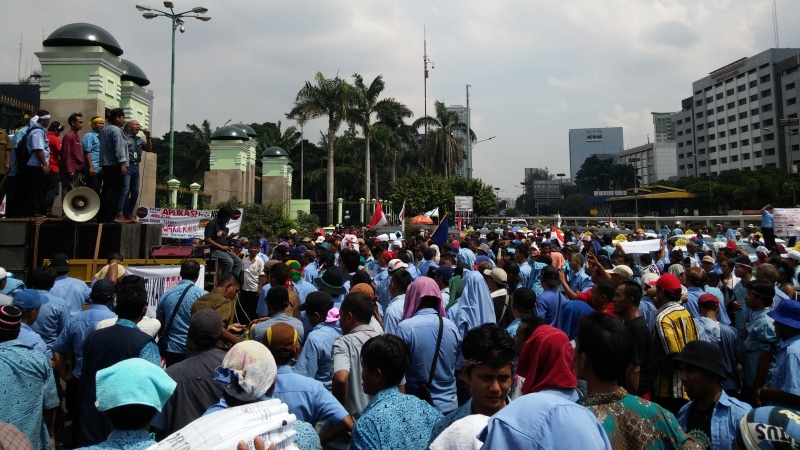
(786, 221)
(160, 279)
(184, 223)
(463, 203)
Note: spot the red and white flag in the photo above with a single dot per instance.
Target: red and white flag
(403, 213)
(379, 218)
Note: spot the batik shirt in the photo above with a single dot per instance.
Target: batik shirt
(633, 423)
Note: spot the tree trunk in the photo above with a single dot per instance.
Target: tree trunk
(367, 165)
(376, 180)
(394, 169)
(330, 174)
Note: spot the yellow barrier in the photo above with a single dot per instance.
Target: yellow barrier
(82, 268)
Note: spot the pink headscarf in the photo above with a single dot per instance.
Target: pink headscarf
(558, 260)
(422, 287)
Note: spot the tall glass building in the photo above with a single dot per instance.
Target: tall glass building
(606, 143)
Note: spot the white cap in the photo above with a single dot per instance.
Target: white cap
(3, 274)
(396, 264)
(791, 254)
(762, 249)
(320, 239)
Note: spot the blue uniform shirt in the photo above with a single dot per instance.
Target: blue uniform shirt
(176, 342)
(543, 421)
(315, 359)
(394, 314)
(524, 273)
(79, 328)
(724, 420)
(53, 319)
(547, 306)
(37, 140)
(786, 375)
(307, 398)
(91, 145)
(580, 282)
(33, 340)
(648, 310)
(73, 291)
(766, 219)
(303, 288)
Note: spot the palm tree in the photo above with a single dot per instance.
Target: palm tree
(366, 104)
(444, 155)
(330, 97)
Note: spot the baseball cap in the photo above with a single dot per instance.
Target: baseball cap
(28, 300)
(396, 264)
(104, 287)
(761, 249)
(708, 298)
(280, 335)
(3, 274)
(445, 272)
(205, 327)
(649, 280)
(792, 254)
(60, 262)
(388, 254)
(708, 259)
(320, 239)
(704, 355)
(317, 301)
(669, 283)
(622, 270)
(497, 274)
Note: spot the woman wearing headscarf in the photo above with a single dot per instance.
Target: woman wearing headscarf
(547, 362)
(249, 372)
(423, 320)
(475, 307)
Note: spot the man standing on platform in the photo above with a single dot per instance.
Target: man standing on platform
(767, 226)
(36, 166)
(71, 155)
(130, 188)
(91, 154)
(114, 162)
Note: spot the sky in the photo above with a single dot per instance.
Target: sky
(536, 69)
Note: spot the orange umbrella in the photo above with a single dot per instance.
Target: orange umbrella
(421, 220)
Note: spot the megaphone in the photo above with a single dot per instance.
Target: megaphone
(81, 204)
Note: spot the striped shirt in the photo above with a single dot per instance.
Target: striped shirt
(674, 328)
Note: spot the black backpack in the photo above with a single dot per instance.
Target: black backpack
(21, 153)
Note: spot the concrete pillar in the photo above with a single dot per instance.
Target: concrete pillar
(361, 204)
(173, 196)
(339, 202)
(195, 188)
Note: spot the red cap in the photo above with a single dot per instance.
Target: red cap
(669, 283)
(389, 255)
(708, 298)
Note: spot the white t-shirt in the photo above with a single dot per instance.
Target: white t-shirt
(253, 269)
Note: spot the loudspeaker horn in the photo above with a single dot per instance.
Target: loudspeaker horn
(81, 204)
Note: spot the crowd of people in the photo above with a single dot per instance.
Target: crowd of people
(40, 163)
(512, 339)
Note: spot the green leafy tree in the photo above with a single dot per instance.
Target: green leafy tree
(484, 199)
(444, 154)
(421, 192)
(330, 97)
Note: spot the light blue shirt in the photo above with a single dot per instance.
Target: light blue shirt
(394, 314)
(37, 140)
(150, 350)
(53, 319)
(260, 328)
(18, 135)
(380, 427)
(693, 294)
(307, 398)
(176, 335)
(786, 375)
(766, 219)
(649, 311)
(724, 419)
(303, 288)
(524, 273)
(80, 326)
(73, 291)
(33, 340)
(420, 333)
(547, 306)
(427, 265)
(580, 282)
(543, 421)
(382, 280)
(91, 145)
(113, 151)
(310, 271)
(511, 329)
(315, 359)
(761, 337)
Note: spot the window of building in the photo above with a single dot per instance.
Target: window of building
(746, 156)
(712, 149)
(742, 101)
(753, 84)
(732, 118)
(729, 91)
(764, 79)
(723, 160)
(722, 134)
(751, 71)
(768, 123)
(680, 133)
(763, 66)
(689, 142)
(681, 167)
(712, 136)
(732, 131)
(688, 131)
(741, 88)
(744, 128)
(720, 108)
(709, 100)
(720, 121)
(753, 112)
(756, 125)
(791, 101)
(701, 139)
(756, 139)
(680, 121)
(713, 162)
(710, 112)
(743, 115)
(790, 86)
(734, 144)
(680, 145)
(699, 115)
(731, 105)
(754, 97)
(698, 103)
(740, 76)
(701, 164)
(710, 124)
(706, 89)
(769, 151)
(757, 154)
(734, 158)
(766, 93)
(769, 137)
(723, 147)
(719, 96)
(796, 147)
(745, 142)
(701, 151)
(700, 127)
(594, 135)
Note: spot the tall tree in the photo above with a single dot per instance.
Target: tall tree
(331, 97)
(365, 106)
(444, 153)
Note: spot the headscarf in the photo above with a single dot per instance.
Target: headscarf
(422, 287)
(467, 258)
(558, 260)
(676, 269)
(247, 371)
(348, 241)
(438, 254)
(295, 270)
(456, 287)
(547, 361)
(475, 305)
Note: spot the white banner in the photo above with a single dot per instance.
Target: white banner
(463, 203)
(636, 247)
(185, 223)
(786, 221)
(160, 279)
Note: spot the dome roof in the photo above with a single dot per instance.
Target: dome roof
(247, 129)
(80, 34)
(274, 152)
(229, 133)
(134, 73)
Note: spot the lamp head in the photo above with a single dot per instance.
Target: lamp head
(202, 17)
(199, 10)
(149, 15)
(169, 5)
(142, 7)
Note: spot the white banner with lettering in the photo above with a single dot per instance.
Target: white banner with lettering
(635, 247)
(185, 223)
(160, 279)
(786, 221)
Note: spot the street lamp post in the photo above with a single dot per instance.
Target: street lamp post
(561, 191)
(472, 146)
(198, 12)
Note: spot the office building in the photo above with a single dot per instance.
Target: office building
(732, 119)
(605, 143)
(652, 162)
(662, 124)
(463, 116)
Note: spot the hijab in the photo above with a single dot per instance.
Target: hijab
(547, 361)
(558, 260)
(247, 371)
(422, 287)
(455, 290)
(475, 305)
